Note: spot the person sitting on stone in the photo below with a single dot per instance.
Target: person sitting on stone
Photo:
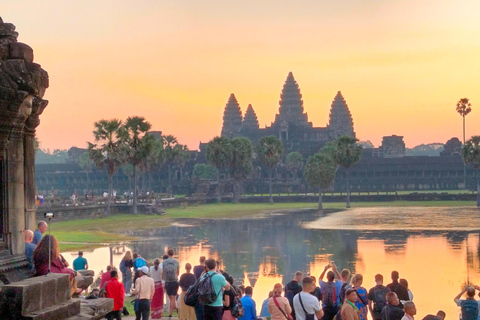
(29, 246)
(41, 229)
(80, 263)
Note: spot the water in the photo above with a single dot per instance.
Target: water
(435, 249)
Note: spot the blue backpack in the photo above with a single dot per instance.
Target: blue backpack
(469, 309)
(139, 262)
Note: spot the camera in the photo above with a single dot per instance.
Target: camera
(49, 215)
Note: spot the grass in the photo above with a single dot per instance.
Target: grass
(129, 305)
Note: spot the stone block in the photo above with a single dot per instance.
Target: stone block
(57, 312)
(62, 290)
(88, 273)
(18, 50)
(84, 281)
(96, 307)
(48, 284)
(22, 297)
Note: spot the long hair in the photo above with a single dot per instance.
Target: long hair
(40, 254)
(156, 263)
(127, 256)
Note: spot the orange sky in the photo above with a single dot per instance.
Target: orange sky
(401, 65)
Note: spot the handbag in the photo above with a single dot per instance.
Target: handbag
(308, 316)
(289, 317)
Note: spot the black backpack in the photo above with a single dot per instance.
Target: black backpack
(237, 307)
(329, 293)
(191, 296)
(379, 299)
(345, 286)
(206, 292)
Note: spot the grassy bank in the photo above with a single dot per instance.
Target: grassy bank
(96, 232)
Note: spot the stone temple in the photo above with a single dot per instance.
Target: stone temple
(291, 124)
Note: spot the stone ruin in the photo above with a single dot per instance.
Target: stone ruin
(22, 296)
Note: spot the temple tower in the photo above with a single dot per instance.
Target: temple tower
(232, 118)
(250, 121)
(341, 122)
(291, 105)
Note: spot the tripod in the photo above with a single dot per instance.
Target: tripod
(49, 247)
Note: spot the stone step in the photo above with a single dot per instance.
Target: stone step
(93, 309)
(58, 311)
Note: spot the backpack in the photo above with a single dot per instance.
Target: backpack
(329, 294)
(206, 292)
(237, 308)
(191, 296)
(379, 299)
(169, 270)
(469, 309)
(140, 262)
(123, 268)
(345, 286)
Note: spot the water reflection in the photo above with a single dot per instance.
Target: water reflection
(436, 261)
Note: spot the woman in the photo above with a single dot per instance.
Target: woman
(186, 280)
(126, 268)
(156, 306)
(404, 282)
(278, 306)
(229, 299)
(362, 300)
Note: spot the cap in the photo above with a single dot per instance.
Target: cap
(144, 269)
(349, 290)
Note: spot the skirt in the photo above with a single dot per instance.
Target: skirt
(156, 307)
(184, 311)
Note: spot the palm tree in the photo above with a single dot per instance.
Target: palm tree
(155, 159)
(471, 155)
(294, 163)
(346, 153)
(464, 108)
(219, 154)
(241, 163)
(86, 164)
(182, 157)
(105, 152)
(320, 172)
(137, 146)
(169, 143)
(269, 152)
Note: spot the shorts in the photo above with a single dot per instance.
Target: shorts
(171, 288)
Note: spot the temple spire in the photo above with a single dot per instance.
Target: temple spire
(250, 121)
(232, 118)
(291, 104)
(341, 122)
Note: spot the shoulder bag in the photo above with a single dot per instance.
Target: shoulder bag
(308, 316)
(289, 317)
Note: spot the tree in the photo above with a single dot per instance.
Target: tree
(155, 159)
(169, 143)
(294, 163)
(181, 158)
(87, 164)
(269, 152)
(471, 155)
(464, 108)
(346, 153)
(219, 154)
(204, 171)
(241, 163)
(137, 146)
(320, 172)
(106, 152)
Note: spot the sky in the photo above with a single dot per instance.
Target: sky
(401, 65)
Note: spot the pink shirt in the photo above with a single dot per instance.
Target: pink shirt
(275, 312)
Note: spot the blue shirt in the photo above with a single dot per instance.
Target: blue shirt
(29, 247)
(338, 288)
(250, 309)
(79, 264)
(37, 236)
(264, 312)
(218, 282)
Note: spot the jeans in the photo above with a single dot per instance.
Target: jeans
(127, 280)
(114, 315)
(199, 310)
(143, 312)
(212, 313)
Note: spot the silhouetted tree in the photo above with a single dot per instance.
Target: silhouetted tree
(269, 152)
(320, 172)
(471, 155)
(464, 108)
(294, 163)
(241, 162)
(219, 154)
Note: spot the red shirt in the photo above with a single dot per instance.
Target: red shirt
(116, 291)
(105, 277)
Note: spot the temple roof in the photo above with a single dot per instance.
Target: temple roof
(291, 103)
(232, 118)
(341, 122)
(250, 121)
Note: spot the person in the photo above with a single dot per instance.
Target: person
(229, 299)
(248, 305)
(171, 270)
(214, 311)
(105, 277)
(338, 282)
(404, 282)
(29, 246)
(41, 229)
(410, 310)
(115, 290)
(199, 269)
(349, 310)
(292, 289)
(468, 306)
(304, 303)
(329, 295)
(126, 268)
(393, 310)
(186, 280)
(399, 289)
(264, 310)
(362, 300)
(156, 307)
(278, 306)
(144, 291)
(80, 263)
(138, 262)
(345, 274)
(439, 316)
(376, 297)
(317, 292)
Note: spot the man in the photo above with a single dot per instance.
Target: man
(144, 289)
(439, 316)
(393, 310)
(410, 311)
(115, 290)
(198, 270)
(349, 311)
(330, 292)
(80, 263)
(171, 270)
(214, 311)
(468, 306)
(377, 297)
(248, 305)
(292, 289)
(41, 229)
(304, 303)
(29, 246)
(398, 288)
(345, 274)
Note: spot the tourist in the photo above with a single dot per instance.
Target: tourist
(144, 291)
(317, 292)
(410, 310)
(214, 311)
(241, 291)
(278, 306)
(338, 282)
(126, 268)
(329, 295)
(105, 277)
(377, 297)
(292, 289)
(186, 280)
(167, 299)
(138, 262)
(171, 270)
(199, 269)
(229, 299)
(304, 303)
(345, 274)
(41, 229)
(393, 310)
(264, 310)
(115, 290)
(468, 306)
(80, 263)
(29, 246)
(349, 310)
(248, 305)
(404, 282)
(399, 289)
(362, 300)
(156, 307)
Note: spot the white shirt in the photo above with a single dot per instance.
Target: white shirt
(310, 302)
(156, 275)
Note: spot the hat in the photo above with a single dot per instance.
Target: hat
(349, 290)
(144, 269)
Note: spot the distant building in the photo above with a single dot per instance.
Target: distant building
(392, 147)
